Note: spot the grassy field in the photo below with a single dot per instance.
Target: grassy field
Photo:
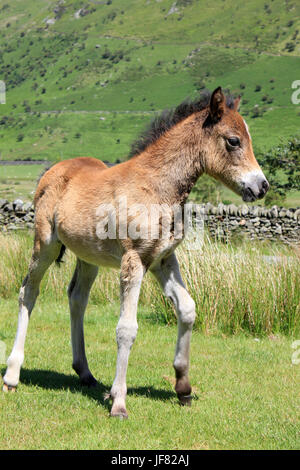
(235, 288)
(245, 386)
(245, 391)
(19, 181)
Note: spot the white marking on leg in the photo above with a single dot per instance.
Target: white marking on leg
(186, 319)
(132, 273)
(170, 279)
(16, 358)
(27, 297)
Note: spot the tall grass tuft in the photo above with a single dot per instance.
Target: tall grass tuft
(239, 288)
(250, 287)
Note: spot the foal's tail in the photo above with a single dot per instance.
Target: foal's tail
(58, 260)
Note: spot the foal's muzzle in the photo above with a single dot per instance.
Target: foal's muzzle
(254, 186)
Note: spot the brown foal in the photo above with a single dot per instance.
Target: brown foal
(77, 200)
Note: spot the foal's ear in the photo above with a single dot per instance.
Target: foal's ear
(217, 104)
(236, 103)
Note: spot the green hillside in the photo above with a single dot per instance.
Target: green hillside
(84, 77)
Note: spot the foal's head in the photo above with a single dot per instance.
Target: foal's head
(229, 154)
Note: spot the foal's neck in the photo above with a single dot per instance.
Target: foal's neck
(174, 162)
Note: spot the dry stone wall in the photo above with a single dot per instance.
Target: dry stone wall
(16, 215)
(255, 222)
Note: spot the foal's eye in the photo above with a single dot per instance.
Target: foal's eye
(233, 142)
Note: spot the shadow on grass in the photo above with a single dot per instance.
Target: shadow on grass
(51, 380)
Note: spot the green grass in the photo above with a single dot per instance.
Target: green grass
(245, 390)
(19, 181)
(54, 137)
(136, 58)
(245, 386)
(234, 288)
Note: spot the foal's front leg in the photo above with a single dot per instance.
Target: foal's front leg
(132, 273)
(169, 277)
(43, 256)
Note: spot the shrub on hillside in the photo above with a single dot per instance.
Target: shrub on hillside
(282, 167)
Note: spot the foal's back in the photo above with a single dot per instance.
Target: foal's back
(66, 202)
(54, 185)
(59, 176)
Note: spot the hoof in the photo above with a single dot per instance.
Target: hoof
(185, 400)
(88, 381)
(9, 388)
(121, 413)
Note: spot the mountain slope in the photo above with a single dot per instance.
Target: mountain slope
(83, 77)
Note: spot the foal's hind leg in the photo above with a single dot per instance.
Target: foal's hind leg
(43, 256)
(78, 293)
(169, 277)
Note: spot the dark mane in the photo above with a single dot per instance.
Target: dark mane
(169, 118)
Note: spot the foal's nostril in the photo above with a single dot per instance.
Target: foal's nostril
(264, 189)
(265, 185)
